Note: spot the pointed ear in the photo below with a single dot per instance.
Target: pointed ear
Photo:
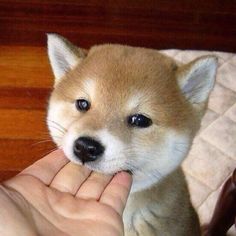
(196, 79)
(63, 55)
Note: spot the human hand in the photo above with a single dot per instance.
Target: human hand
(57, 197)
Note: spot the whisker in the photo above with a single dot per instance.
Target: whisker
(47, 140)
(39, 142)
(59, 137)
(59, 125)
(56, 128)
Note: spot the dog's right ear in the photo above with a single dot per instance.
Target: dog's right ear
(196, 79)
(63, 55)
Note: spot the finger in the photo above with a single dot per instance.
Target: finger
(116, 193)
(46, 168)
(70, 178)
(94, 186)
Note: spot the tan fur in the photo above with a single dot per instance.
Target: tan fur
(172, 214)
(114, 74)
(129, 70)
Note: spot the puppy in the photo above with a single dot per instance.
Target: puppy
(119, 108)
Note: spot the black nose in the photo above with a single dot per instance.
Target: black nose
(87, 149)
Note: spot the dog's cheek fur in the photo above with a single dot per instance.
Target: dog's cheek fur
(60, 116)
(155, 158)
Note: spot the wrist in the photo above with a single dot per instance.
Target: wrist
(13, 220)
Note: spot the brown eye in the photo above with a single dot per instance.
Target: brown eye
(139, 120)
(82, 105)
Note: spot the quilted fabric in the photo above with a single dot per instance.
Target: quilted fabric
(212, 158)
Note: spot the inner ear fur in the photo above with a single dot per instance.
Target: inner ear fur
(196, 79)
(63, 55)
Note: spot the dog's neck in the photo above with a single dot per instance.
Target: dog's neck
(142, 184)
(157, 197)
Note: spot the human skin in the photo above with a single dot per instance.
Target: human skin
(57, 197)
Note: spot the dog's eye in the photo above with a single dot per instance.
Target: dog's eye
(82, 105)
(139, 120)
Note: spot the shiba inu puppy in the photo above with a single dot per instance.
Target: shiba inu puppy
(119, 108)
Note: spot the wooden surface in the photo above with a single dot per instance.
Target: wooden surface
(25, 75)
(195, 24)
(25, 84)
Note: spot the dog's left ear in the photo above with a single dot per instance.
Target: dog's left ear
(196, 79)
(63, 55)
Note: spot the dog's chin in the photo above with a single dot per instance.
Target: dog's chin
(104, 168)
(100, 169)
(114, 167)
(101, 166)
(108, 172)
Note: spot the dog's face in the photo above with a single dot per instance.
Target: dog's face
(123, 108)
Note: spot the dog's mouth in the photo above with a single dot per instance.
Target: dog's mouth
(111, 167)
(100, 164)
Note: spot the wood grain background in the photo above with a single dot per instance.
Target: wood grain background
(25, 75)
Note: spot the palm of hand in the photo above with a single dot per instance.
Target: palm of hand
(65, 199)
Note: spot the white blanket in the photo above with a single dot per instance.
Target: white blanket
(212, 158)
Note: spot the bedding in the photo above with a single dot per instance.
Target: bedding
(212, 158)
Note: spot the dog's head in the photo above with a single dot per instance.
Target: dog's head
(119, 108)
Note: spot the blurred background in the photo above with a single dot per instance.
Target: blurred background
(25, 75)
